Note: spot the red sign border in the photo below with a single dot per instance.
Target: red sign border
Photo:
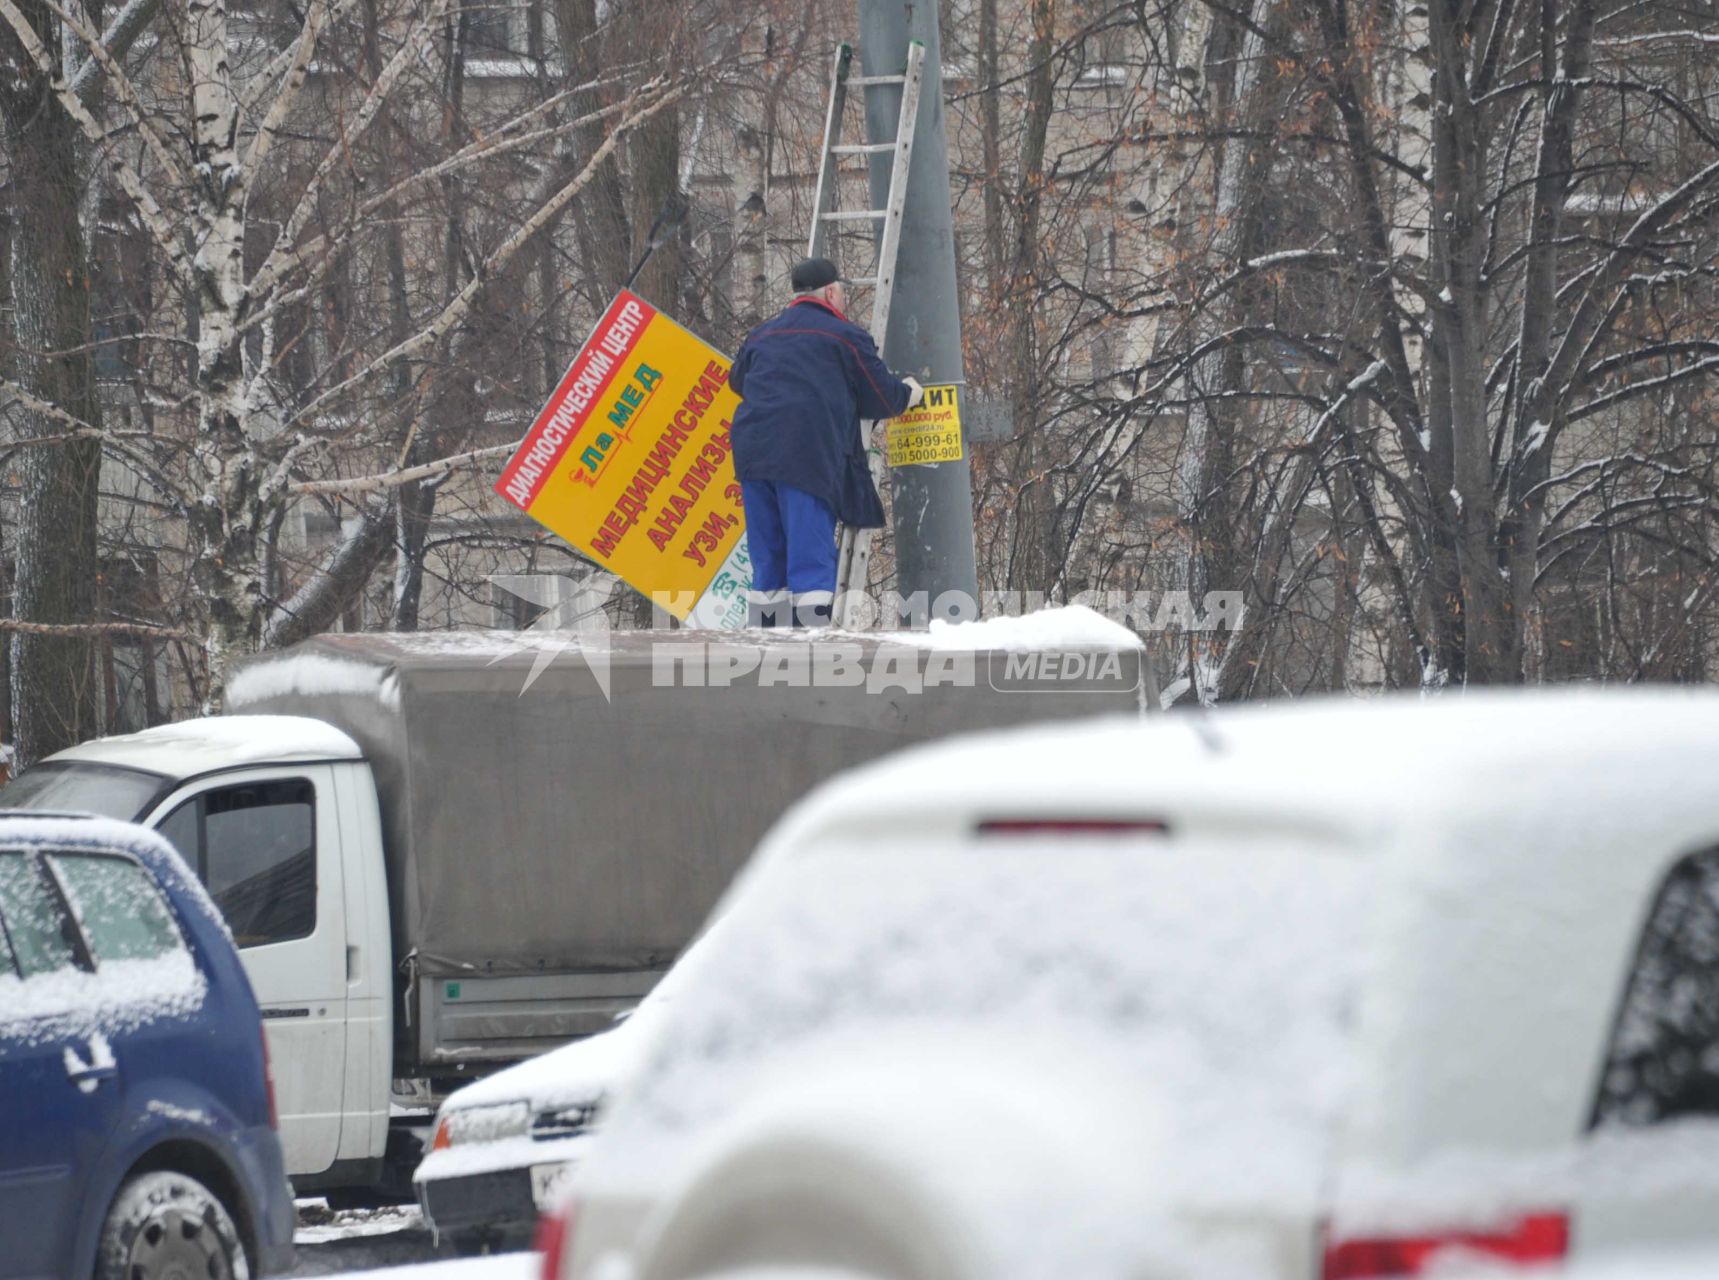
(564, 389)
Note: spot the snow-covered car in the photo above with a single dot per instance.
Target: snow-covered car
(505, 1146)
(138, 1133)
(1338, 990)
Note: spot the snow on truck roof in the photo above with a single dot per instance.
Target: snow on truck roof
(1069, 627)
(218, 742)
(1334, 764)
(377, 665)
(347, 661)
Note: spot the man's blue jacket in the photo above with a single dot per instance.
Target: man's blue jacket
(805, 379)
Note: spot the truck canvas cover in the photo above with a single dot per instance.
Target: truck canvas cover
(556, 831)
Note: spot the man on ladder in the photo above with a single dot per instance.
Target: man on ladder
(805, 379)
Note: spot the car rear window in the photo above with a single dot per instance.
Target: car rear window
(1664, 1056)
(1217, 969)
(38, 932)
(122, 912)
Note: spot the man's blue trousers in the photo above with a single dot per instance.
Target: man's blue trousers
(792, 538)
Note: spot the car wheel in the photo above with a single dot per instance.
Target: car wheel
(168, 1225)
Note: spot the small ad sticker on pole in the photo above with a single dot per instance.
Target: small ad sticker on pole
(630, 462)
(931, 432)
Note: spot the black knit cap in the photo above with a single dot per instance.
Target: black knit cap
(814, 273)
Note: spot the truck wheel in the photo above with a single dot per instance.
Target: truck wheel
(166, 1224)
(347, 1199)
(470, 1244)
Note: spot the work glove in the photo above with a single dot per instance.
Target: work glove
(916, 393)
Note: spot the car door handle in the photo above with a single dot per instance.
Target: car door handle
(101, 1065)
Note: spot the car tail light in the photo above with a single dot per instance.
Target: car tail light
(1534, 1238)
(269, 1080)
(554, 1236)
(1068, 826)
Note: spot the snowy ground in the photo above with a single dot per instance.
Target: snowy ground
(363, 1239)
(509, 1266)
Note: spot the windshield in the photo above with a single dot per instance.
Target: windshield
(103, 789)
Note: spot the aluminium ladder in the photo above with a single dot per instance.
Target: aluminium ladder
(854, 556)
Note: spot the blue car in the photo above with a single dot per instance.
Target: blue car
(137, 1127)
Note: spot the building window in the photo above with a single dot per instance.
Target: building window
(504, 38)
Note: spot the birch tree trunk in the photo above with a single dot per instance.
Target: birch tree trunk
(414, 505)
(226, 519)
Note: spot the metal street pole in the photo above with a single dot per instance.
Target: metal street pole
(933, 503)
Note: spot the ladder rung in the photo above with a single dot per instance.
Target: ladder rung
(862, 148)
(854, 215)
(865, 80)
(862, 279)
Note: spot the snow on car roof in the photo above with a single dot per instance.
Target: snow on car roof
(1335, 764)
(218, 742)
(25, 826)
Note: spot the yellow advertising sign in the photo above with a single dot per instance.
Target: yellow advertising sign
(929, 432)
(630, 460)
